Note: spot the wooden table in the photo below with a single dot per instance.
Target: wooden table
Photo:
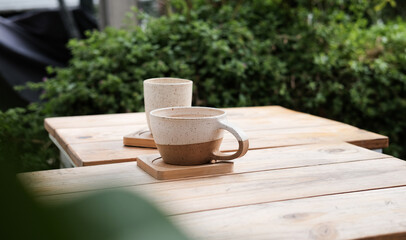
(315, 191)
(98, 139)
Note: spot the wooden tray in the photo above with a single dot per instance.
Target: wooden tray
(155, 166)
(141, 138)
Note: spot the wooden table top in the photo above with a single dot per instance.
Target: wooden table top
(98, 139)
(315, 191)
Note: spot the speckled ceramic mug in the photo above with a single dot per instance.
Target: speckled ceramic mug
(193, 135)
(166, 92)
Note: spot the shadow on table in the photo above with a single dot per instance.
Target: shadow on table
(107, 215)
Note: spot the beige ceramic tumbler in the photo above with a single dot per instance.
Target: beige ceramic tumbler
(166, 92)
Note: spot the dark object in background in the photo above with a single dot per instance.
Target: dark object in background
(68, 20)
(28, 43)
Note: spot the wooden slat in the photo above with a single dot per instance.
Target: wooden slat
(93, 153)
(97, 153)
(127, 174)
(89, 121)
(378, 214)
(271, 117)
(267, 138)
(116, 133)
(216, 192)
(67, 136)
(251, 119)
(51, 124)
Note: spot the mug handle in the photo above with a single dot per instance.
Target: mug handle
(242, 139)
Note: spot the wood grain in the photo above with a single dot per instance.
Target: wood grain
(107, 152)
(115, 133)
(266, 138)
(258, 187)
(52, 124)
(317, 191)
(92, 153)
(216, 192)
(255, 118)
(127, 174)
(102, 120)
(66, 136)
(377, 214)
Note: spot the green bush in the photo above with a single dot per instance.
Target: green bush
(337, 60)
(24, 144)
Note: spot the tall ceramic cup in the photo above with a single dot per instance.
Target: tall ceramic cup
(193, 135)
(166, 92)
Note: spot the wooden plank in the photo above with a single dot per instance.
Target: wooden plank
(93, 153)
(377, 214)
(216, 192)
(123, 119)
(267, 138)
(51, 124)
(97, 153)
(116, 133)
(254, 118)
(258, 121)
(127, 174)
(68, 136)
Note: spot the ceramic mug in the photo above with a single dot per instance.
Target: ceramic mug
(166, 92)
(193, 135)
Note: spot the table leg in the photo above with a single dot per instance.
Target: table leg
(66, 161)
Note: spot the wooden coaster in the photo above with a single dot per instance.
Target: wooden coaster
(142, 138)
(155, 166)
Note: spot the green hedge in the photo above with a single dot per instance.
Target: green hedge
(341, 61)
(24, 143)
